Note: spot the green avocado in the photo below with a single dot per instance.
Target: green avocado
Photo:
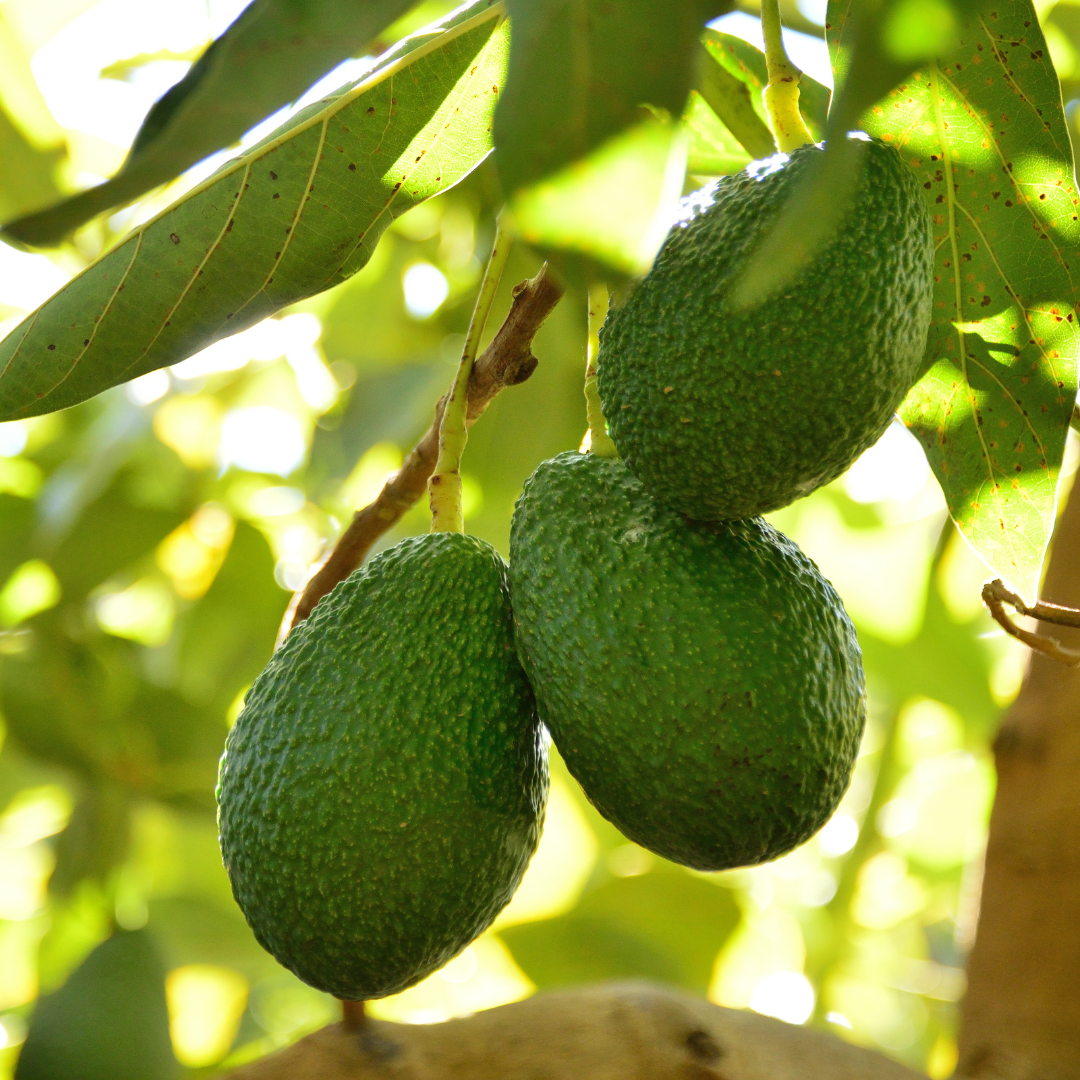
(109, 1021)
(726, 414)
(384, 787)
(701, 679)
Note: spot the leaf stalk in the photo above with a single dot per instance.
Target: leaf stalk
(781, 95)
(444, 487)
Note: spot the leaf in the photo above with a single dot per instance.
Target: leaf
(268, 57)
(726, 115)
(227, 638)
(95, 840)
(32, 147)
(581, 69)
(746, 63)
(28, 175)
(663, 925)
(298, 213)
(984, 131)
(713, 150)
(606, 215)
(109, 1019)
(886, 43)
(731, 100)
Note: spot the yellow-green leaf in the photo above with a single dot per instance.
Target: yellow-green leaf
(295, 215)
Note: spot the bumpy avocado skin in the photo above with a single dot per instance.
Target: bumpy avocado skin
(702, 680)
(728, 414)
(384, 787)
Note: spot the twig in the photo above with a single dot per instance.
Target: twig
(507, 361)
(444, 487)
(995, 595)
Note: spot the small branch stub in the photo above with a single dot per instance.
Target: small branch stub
(600, 442)
(996, 595)
(781, 95)
(444, 487)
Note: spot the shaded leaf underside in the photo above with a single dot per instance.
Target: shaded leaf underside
(984, 131)
(297, 214)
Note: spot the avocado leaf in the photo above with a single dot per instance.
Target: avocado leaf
(268, 57)
(297, 213)
(109, 1021)
(627, 928)
(984, 130)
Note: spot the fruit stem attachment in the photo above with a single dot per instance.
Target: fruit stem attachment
(444, 487)
(781, 95)
(600, 442)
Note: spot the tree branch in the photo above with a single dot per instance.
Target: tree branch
(1021, 1014)
(507, 361)
(613, 1032)
(996, 595)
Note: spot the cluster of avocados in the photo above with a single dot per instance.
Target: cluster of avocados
(384, 787)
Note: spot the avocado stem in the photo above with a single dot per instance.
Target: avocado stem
(600, 442)
(444, 487)
(781, 95)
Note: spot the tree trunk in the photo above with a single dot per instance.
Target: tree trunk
(1021, 1015)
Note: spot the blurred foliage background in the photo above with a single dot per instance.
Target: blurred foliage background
(150, 540)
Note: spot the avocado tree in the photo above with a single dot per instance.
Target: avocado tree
(923, 266)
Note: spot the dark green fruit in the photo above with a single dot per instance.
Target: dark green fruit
(701, 680)
(109, 1021)
(726, 414)
(383, 789)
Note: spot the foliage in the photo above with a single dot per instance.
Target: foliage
(982, 130)
(274, 226)
(273, 52)
(150, 536)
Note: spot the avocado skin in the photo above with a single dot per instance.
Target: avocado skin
(701, 680)
(728, 414)
(383, 789)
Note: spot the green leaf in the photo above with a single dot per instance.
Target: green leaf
(109, 1019)
(984, 131)
(268, 57)
(32, 147)
(28, 174)
(295, 215)
(581, 69)
(865, 71)
(227, 638)
(95, 840)
(713, 150)
(606, 215)
(664, 925)
(725, 115)
(746, 63)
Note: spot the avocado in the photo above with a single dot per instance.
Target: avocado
(383, 788)
(701, 679)
(725, 413)
(109, 1021)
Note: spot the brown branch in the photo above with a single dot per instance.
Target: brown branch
(507, 361)
(612, 1032)
(1021, 1013)
(995, 595)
